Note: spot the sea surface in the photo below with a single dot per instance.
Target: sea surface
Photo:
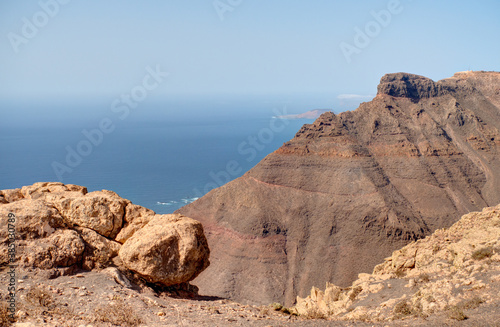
(162, 160)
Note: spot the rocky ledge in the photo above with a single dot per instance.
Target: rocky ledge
(416, 87)
(60, 229)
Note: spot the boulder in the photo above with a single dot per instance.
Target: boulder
(63, 248)
(98, 249)
(34, 219)
(169, 250)
(101, 211)
(135, 218)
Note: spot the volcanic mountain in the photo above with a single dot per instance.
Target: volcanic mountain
(351, 188)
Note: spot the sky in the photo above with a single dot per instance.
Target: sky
(76, 50)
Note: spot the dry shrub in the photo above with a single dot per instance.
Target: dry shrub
(277, 306)
(454, 312)
(315, 313)
(424, 278)
(400, 273)
(39, 301)
(117, 313)
(5, 318)
(402, 309)
(471, 303)
(483, 253)
(40, 298)
(355, 292)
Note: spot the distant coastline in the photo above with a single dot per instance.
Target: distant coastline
(311, 114)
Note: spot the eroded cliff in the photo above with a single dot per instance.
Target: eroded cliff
(351, 188)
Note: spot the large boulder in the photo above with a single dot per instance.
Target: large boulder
(169, 250)
(101, 211)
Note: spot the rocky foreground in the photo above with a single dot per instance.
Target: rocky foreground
(448, 274)
(51, 230)
(61, 228)
(67, 273)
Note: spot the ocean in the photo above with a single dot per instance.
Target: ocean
(160, 159)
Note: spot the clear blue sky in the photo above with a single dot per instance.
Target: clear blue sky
(94, 48)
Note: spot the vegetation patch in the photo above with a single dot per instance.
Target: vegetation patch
(355, 292)
(471, 303)
(400, 273)
(315, 313)
(424, 278)
(483, 253)
(454, 312)
(402, 309)
(282, 309)
(5, 319)
(118, 313)
(277, 306)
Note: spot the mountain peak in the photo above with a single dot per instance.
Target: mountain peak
(408, 86)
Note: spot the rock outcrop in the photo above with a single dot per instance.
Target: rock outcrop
(62, 227)
(451, 271)
(169, 250)
(351, 188)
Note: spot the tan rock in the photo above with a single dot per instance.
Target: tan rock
(98, 249)
(7, 196)
(41, 190)
(101, 211)
(403, 259)
(33, 219)
(135, 218)
(442, 270)
(63, 248)
(169, 250)
(117, 276)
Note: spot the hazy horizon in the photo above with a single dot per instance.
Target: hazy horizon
(331, 52)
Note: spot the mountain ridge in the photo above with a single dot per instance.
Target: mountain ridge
(359, 184)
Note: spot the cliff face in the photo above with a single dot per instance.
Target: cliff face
(351, 188)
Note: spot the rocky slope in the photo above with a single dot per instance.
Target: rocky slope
(351, 188)
(452, 271)
(60, 229)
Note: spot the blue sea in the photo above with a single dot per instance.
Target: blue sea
(162, 156)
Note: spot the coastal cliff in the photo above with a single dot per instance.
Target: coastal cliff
(351, 188)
